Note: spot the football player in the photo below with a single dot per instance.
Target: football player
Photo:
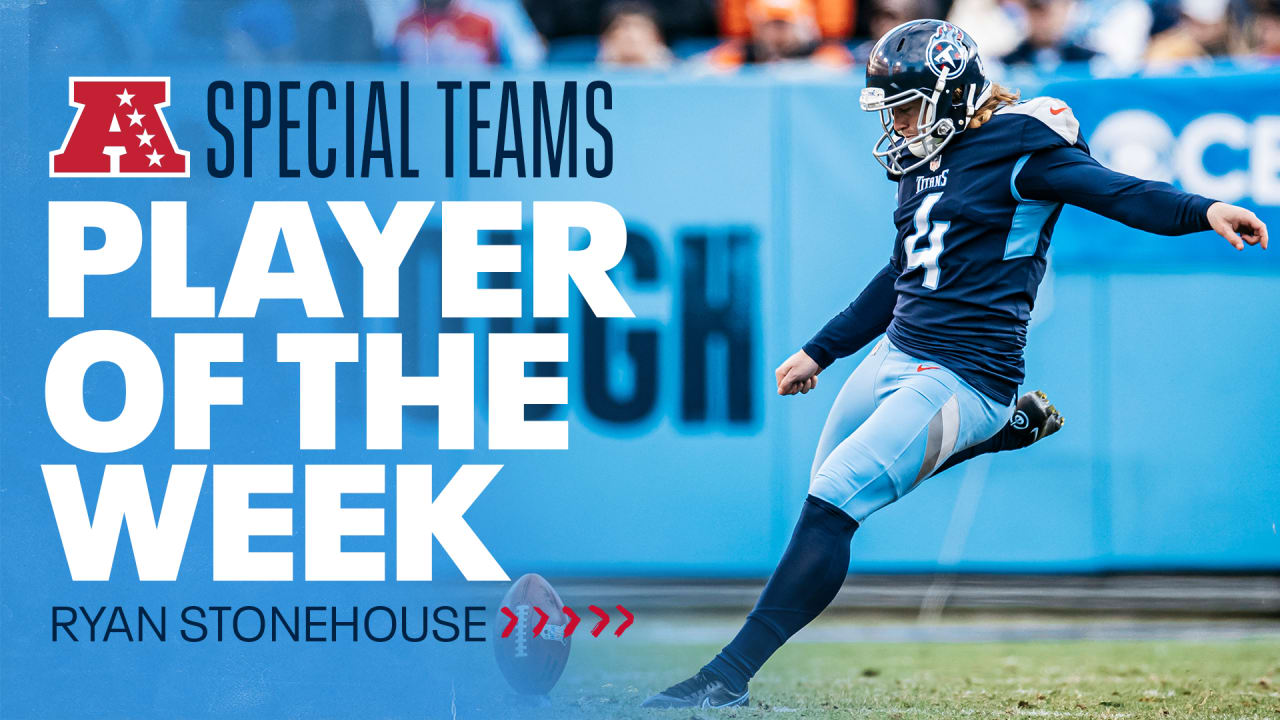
(981, 181)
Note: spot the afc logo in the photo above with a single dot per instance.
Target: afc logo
(119, 131)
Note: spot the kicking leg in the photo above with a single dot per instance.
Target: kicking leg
(917, 423)
(809, 574)
(1035, 419)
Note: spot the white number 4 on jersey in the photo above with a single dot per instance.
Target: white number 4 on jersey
(927, 256)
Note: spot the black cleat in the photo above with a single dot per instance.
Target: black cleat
(1034, 419)
(702, 691)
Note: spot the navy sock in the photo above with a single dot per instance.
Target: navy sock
(807, 579)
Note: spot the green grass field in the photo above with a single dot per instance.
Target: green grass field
(1074, 679)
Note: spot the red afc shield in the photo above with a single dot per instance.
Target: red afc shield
(119, 131)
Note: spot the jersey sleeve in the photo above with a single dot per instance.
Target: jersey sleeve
(865, 318)
(1070, 175)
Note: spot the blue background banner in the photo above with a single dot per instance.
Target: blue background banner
(755, 213)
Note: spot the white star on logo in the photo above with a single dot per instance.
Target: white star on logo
(145, 139)
(135, 118)
(154, 158)
(126, 97)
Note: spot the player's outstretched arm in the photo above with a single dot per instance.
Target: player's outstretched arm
(1238, 225)
(1069, 175)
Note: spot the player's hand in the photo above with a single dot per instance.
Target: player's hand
(799, 374)
(1237, 225)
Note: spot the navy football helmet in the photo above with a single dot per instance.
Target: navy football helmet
(931, 61)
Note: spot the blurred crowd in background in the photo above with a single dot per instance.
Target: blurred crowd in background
(1097, 37)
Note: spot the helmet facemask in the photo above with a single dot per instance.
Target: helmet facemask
(936, 123)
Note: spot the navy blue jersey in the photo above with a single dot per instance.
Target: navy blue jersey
(973, 232)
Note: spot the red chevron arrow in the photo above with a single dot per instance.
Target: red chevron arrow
(626, 624)
(511, 624)
(542, 621)
(604, 620)
(573, 621)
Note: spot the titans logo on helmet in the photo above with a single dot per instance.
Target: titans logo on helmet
(947, 55)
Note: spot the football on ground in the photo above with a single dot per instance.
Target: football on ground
(532, 663)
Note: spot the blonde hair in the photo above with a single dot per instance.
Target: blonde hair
(999, 97)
